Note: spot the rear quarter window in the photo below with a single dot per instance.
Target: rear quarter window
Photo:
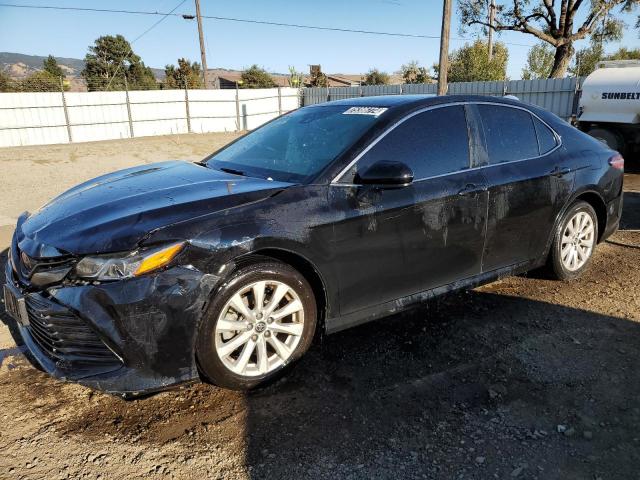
(509, 132)
(546, 139)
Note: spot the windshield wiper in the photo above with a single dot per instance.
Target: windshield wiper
(232, 171)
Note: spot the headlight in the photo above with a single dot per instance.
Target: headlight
(125, 265)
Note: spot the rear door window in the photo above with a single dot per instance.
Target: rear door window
(546, 139)
(431, 143)
(509, 133)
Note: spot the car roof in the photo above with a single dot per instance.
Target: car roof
(392, 101)
(397, 106)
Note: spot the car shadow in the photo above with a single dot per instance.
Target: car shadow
(429, 392)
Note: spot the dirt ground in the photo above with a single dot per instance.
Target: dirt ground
(524, 378)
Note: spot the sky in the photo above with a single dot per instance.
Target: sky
(238, 45)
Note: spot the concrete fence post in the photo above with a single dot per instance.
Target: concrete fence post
(66, 110)
(126, 96)
(186, 107)
(279, 101)
(237, 108)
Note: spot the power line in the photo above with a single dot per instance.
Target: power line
(246, 20)
(164, 17)
(142, 35)
(315, 27)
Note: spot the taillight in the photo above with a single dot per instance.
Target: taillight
(617, 161)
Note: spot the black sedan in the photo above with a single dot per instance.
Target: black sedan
(325, 218)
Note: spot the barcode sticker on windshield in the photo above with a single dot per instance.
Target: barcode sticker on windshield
(375, 111)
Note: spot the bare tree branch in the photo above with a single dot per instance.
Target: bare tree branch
(553, 25)
(591, 20)
(518, 28)
(563, 16)
(576, 5)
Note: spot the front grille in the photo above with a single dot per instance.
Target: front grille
(64, 337)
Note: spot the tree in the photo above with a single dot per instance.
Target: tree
(317, 78)
(51, 66)
(376, 77)
(187, 73)
(623, 53)
(552, 22)
(6, 84)
(412, 72)
(296, 79)
(41, 81)
(539, 62)
(256, 77)
(586, 60)
(471, 63)
(110, 61)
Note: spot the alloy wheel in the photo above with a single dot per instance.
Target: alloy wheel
(259, 328)
(578, 239)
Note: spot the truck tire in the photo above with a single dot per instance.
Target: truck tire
(610, 137)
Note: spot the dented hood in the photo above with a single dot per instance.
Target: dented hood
(116, 211)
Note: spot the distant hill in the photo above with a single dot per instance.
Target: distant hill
(19, 65)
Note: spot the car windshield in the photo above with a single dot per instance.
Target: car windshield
(296, 146)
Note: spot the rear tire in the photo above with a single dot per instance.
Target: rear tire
(260, 322)
(574, 241)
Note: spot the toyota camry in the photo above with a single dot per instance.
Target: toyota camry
(324, 218)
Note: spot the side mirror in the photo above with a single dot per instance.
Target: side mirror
(385, 173)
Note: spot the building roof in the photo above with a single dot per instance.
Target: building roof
(236, 77)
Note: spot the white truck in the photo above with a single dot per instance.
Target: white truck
(609, 106)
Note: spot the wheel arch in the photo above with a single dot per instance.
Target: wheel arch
(595, 200)
(306, 268)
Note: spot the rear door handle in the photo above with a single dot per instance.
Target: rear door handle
(560, 172)
(472, 188)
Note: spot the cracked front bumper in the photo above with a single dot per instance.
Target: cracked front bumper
(127, 337)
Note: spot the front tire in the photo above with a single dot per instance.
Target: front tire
(574, 241)
(260, 321)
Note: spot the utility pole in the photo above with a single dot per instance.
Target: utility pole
(492, 17)
(203, 54)
(444, 47)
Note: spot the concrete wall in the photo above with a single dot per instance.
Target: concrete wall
(53, 117)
